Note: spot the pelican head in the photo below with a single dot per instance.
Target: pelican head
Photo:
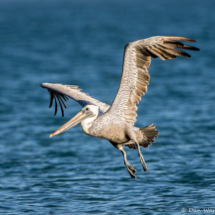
(86, 116)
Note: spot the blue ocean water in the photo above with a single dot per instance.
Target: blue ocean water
(81, 43)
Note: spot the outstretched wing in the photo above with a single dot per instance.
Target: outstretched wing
(62, 93)
(135, 77)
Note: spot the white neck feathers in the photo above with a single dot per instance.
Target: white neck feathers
(87, 123)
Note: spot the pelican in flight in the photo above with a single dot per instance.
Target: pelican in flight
(116, 122)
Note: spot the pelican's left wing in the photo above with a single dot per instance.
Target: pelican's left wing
(62, 93)
(135, 77)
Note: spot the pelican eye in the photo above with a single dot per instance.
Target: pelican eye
(87, 109)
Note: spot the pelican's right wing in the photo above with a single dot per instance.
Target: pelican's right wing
(135, 77)
(61, 93)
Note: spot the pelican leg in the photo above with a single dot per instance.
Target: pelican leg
(133, 138)
(130, 168)
(141, 157)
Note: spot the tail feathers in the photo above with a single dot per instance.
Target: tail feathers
(149, 132)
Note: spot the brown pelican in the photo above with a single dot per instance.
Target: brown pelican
(116, 122)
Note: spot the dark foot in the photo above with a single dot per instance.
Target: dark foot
(128, 165)
(131, 170)
(131, 173)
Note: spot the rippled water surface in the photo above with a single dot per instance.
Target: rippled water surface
(81, 43)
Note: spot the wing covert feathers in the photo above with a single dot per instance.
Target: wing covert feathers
(135, 77)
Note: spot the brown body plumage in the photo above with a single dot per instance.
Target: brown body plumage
(116, 122)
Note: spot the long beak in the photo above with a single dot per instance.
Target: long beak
(72, 122)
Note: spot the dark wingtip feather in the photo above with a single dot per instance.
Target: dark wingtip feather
(194, 48)
(188, 47)
(56, 97)
(60, 97)
(184, 54)
(55, 106)
(62, 111)
(65, 97)
(51, 99)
